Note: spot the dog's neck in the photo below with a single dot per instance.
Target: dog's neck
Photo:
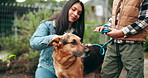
(66, 61)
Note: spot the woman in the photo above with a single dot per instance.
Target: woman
(71, 20)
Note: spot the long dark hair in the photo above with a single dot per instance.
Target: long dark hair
(62, 22)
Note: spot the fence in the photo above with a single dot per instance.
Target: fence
(9, 10)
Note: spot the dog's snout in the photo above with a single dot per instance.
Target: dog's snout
(87, 51)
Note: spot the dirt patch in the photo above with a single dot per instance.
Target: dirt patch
(6, 75)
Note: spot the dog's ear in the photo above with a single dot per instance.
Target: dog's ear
(55, 42)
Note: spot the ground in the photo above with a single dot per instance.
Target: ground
(3, 75)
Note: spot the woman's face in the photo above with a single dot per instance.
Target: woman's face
(74, 12)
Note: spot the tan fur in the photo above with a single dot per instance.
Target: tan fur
(67, 57)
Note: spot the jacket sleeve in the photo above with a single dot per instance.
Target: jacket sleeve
(42, 36)
(140, 24)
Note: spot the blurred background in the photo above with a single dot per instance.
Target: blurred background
(19, 19)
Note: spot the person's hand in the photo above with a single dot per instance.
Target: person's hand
(100, 29)
(56, 36)
(114, 33)
(88, 44)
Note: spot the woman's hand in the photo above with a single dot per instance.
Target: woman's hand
(56, 36)
(88, 44)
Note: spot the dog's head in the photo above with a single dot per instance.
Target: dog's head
(69, 44)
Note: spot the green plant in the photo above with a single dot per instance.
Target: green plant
(18, 44)
(11, 56)
(28, 23)
(90, 36)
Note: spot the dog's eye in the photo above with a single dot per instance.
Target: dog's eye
(74, 42)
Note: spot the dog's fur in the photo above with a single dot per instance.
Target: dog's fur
(67, 54)
(94, 61)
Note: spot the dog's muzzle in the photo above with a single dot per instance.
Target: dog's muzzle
(85, 53)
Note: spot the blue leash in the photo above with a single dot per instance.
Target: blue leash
(105, 30)
(102, 50)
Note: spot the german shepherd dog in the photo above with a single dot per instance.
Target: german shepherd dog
(74, 60)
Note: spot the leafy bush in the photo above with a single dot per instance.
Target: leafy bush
(28, 22)
(26, 58)
(90, 36)
(16, 47)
